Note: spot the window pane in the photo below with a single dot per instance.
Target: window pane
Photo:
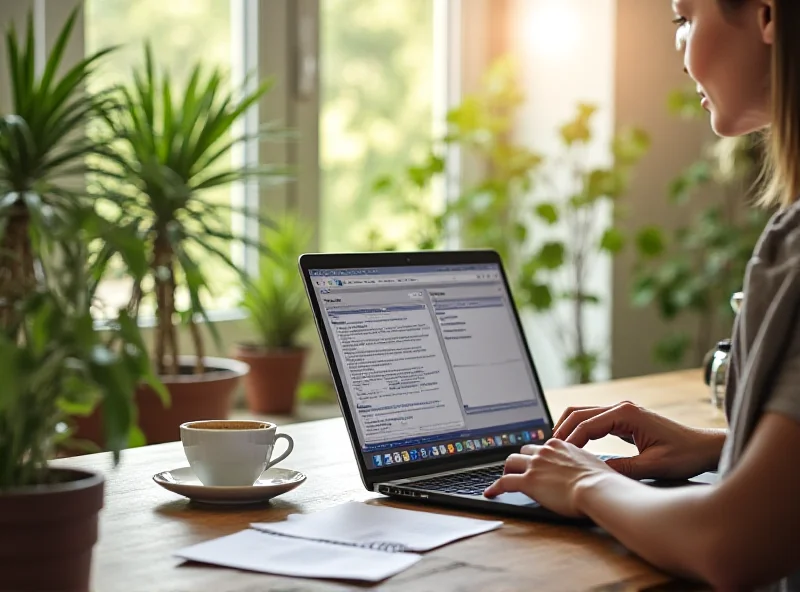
(376, 114)
(181, 33)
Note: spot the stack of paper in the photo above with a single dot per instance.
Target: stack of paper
(353, 541)
(379, 527)
(254, 550)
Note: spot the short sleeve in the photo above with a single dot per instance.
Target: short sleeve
(784, 392)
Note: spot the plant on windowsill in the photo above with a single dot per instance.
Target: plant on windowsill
(694, 271)
(53, 363)
(173, 147)
(279, 312)
(519, 198)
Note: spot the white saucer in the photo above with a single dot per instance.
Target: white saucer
(271, 483)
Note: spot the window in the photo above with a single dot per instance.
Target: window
(377, 104)
(181, 33)
(382, 85)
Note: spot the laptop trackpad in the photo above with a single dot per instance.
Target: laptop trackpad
(515, 499)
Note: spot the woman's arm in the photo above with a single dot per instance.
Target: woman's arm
(740, 533)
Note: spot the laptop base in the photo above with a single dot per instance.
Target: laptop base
(512, 505)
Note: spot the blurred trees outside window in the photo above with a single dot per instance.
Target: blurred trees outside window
(377, 91)
(180, 32)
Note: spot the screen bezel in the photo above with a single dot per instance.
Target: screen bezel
(371, 476)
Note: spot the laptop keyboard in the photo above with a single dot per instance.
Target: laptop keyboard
(467, 483)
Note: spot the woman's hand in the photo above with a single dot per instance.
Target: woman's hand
(667, 449)
(550, 474)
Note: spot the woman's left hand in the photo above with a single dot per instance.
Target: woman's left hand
(550, 474)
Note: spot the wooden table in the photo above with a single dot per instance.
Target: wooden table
(142, 524)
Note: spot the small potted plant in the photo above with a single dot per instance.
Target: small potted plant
(279, 312)
(173, 143)
(52, 361)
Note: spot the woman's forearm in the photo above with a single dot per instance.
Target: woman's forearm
(736, 535)
(663, 526)
(713, 449)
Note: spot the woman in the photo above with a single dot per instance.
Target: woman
(744, 532)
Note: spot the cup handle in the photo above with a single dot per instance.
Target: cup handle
(287, 452)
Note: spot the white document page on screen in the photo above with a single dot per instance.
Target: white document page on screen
(396, 370)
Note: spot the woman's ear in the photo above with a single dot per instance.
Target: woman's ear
(766, 22)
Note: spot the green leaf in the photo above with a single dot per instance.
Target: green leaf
(436, 164)
(672, 350)
(520, 232)
(630, 145)
(382, 184)
(136, 437)
(604, 183)
(9, 370)
(419, 175)
(697, 175)
(650, 242)
(583, 366)
(551, 255)
(129, 331)
(547, 212)
(538, 295)
(612, 241)
(316, 392)
(107, 370)
(578, 131)
(644, 291)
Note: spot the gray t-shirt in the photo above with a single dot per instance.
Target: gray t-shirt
(764, 370)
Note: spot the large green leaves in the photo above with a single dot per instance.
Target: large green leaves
(55, 364)
(691, 271)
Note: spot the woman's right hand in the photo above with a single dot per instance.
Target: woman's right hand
(667, 449)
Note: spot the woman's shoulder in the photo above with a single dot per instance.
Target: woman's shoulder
(779, 244)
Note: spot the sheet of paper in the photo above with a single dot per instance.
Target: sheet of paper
(254, 550)
(380, 527)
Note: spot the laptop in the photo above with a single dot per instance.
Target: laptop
(432, 371)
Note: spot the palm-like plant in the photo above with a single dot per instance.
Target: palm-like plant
(43, 151)
(276, 301)
(52, 361)
(170, 156)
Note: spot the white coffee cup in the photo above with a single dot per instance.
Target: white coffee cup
(231, 452)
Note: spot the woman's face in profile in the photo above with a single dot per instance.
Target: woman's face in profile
(727, 52)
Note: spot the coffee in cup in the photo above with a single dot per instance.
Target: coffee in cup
(231, 452)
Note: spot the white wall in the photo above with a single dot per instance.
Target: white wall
(648, 68)
(565, 49)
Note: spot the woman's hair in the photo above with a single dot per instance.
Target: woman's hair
(782, 167)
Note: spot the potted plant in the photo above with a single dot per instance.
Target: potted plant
(53, 364)
(172, 149)
(278, 309)
(52, 361)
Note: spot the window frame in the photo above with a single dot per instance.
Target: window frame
(281, 40)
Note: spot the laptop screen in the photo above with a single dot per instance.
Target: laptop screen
(432, 360)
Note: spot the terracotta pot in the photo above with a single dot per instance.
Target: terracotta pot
(274, 376)
(47, 533)
(192, 397)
